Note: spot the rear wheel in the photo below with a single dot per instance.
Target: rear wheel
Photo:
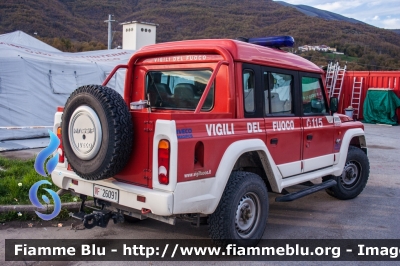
(97, 132)
(354, 177)
(241, 215)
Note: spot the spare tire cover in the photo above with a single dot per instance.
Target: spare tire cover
(97, 132)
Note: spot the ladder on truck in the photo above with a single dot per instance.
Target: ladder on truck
(331, 73)
(356, 96)
(338, 83)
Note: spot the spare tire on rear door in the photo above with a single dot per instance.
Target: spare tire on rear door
(97, 132)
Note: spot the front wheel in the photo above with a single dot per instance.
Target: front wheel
(241, 215)
(354, 177)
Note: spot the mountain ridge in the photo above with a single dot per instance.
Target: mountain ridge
(315, 12)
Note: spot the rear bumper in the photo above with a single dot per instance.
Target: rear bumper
(159, 202)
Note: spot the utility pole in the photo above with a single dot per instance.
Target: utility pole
(109, 30)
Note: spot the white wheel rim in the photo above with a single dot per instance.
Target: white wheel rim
(85, 133)
(351, 174)
(247, 215)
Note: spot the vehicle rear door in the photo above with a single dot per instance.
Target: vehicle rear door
(137, 171)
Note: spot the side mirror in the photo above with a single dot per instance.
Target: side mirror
(333, 105)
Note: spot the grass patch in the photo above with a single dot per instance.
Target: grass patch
(340, 57)
(30, 216)
(13, 215)
(17, 177)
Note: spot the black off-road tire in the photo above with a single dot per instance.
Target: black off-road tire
(113, 147)
(354, 177)
(245, 194)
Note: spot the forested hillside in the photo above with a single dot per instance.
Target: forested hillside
(78, 25)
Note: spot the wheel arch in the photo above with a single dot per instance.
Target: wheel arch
(352, 137)
(235, 156)
(256, 162)
(360, 142)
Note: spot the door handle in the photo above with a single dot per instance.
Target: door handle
(274, 141)
(309, 137)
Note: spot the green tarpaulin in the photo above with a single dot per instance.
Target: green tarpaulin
(380, 107)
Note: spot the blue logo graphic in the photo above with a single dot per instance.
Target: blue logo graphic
(35, 201)
(46, 152)
(39, 167)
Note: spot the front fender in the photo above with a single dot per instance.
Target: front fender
(348, 136)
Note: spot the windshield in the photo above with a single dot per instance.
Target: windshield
(179, 89)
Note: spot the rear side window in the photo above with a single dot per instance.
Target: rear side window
(278, 95)
(248, 90)
(179, 89)
(313, 96)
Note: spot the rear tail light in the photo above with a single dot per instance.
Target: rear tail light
(60, 147)
(163, 162)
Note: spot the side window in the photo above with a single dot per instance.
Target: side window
(248, 90)
(313, 96)
(278, 94)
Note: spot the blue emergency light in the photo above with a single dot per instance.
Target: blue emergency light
(272, 41)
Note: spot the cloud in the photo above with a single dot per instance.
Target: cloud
(372, 4)
(339, 5)
(392, 23)
(374, 12)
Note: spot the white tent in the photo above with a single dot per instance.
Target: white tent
(35, 78)
(21, 38)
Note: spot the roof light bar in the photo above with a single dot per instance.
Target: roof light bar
(272, 41)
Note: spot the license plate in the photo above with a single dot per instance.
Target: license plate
(108, 194)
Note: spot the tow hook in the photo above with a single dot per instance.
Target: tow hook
(97, 217)
(145, 211)
(101, 218)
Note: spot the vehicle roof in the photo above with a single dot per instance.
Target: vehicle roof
(245, 52)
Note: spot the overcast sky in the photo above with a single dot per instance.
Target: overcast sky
(382, 14)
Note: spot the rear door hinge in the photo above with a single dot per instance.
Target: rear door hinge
(149, 126)
(147, 174)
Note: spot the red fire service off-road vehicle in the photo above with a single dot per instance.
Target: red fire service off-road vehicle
(204, 130)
